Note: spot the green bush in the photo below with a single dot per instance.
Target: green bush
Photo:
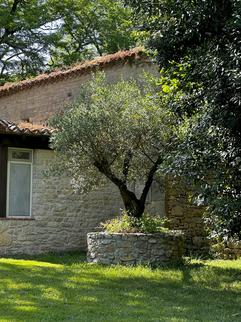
(128, 224)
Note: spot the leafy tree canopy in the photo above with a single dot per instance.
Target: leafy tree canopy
(25, 31)
(90, 28)
(198, 49)
(117, 132)
(42, 34)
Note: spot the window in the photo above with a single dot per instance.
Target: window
(19, 182)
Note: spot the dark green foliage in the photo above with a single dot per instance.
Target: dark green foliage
(39, 35)
(198, 44)
(25, 32)
(90, 28)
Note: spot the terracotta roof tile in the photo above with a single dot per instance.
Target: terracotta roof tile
(24, 128)
(81, 68)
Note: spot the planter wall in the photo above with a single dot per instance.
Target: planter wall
(135, 248)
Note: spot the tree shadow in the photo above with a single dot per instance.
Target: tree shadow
(76, 291)
(63, 258)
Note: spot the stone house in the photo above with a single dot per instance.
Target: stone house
(41, 214)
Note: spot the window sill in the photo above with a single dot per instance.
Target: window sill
(15, 218)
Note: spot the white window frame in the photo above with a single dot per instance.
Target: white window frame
(30, 162)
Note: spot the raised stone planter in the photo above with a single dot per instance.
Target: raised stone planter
(135, 248)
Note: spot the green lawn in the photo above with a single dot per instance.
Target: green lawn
(65, 288)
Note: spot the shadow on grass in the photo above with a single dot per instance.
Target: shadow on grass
(70, 290)
(63, 258)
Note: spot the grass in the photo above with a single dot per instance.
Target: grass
(66, 288)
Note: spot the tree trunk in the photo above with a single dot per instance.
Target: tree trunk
(133, 206)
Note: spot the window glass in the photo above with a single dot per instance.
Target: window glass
(21, 155)
(19, 183)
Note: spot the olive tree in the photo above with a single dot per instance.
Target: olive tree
(116, 132)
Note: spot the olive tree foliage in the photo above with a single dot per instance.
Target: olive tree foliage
(114, 132)
(198, 47)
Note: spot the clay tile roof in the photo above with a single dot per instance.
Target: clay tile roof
(81, 68)
(24, 128)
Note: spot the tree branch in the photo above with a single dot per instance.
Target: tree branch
(126, 164)
(146, 155)
(150, 179)
(14, 6)
(104, 168)
(8, 31)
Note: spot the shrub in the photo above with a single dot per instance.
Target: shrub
(128, 224)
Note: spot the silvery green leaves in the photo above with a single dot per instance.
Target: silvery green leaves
(114, 131)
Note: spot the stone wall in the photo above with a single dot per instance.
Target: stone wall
(185, 216)
(38, 103)
(60, 219)
(135, 248)
(230, 249)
